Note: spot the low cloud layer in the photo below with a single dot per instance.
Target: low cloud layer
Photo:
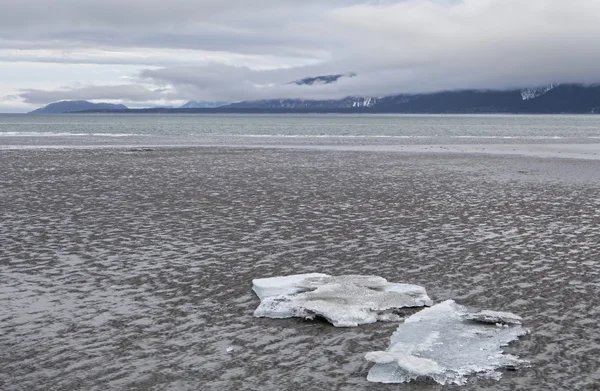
(232, 51)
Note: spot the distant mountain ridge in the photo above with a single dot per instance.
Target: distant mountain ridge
(476, 101)
(553, 98)
(194, 104)
(73, 106)
(345, 103)
(550, 99)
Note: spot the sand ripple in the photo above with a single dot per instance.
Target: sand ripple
(131, 269)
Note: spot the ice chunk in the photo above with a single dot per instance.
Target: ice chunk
(285, 285)
(417, 292)
(494, 317)
(277, 307)
(439, 343)
(345, 301)
(349, 304)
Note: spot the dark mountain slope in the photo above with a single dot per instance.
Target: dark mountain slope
(566, 98)
(451, 102)
(72, 106)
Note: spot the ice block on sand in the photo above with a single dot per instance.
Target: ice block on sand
(443, 343)
(345, 301)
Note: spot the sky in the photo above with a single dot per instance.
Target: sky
(147, 53)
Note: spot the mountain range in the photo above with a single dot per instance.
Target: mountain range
(75, 106)
(549, 99)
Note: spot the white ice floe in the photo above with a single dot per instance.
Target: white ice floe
(440, 343)
(345, 301)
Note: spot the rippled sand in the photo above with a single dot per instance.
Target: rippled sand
(132, 269)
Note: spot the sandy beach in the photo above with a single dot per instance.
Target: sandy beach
(131, 269)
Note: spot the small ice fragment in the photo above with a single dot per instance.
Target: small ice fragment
(417, 292)
(441, 344)
(494, 317)
(389, 317)
(345, 301)
(277, 307)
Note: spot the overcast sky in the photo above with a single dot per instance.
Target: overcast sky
(158, 52)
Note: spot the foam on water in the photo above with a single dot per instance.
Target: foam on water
(64, 134)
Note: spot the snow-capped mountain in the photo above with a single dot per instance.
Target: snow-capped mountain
(366, 101)
(553, 98)
(532, 93)
(349, 102)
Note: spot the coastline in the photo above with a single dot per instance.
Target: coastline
(552, 151)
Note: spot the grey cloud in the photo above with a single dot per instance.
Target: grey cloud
(124, 92)
(146, 57)
(394, 46)
(261, 26)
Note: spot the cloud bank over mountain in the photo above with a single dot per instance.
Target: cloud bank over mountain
(152, 52)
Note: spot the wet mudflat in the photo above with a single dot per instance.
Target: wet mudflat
(132, 269)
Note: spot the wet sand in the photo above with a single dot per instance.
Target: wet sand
(131, 269)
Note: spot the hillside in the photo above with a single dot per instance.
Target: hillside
(72, 106)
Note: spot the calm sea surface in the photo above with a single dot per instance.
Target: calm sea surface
(85, 130)
(128, 244)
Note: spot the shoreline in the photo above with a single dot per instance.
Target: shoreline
(559, 151)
